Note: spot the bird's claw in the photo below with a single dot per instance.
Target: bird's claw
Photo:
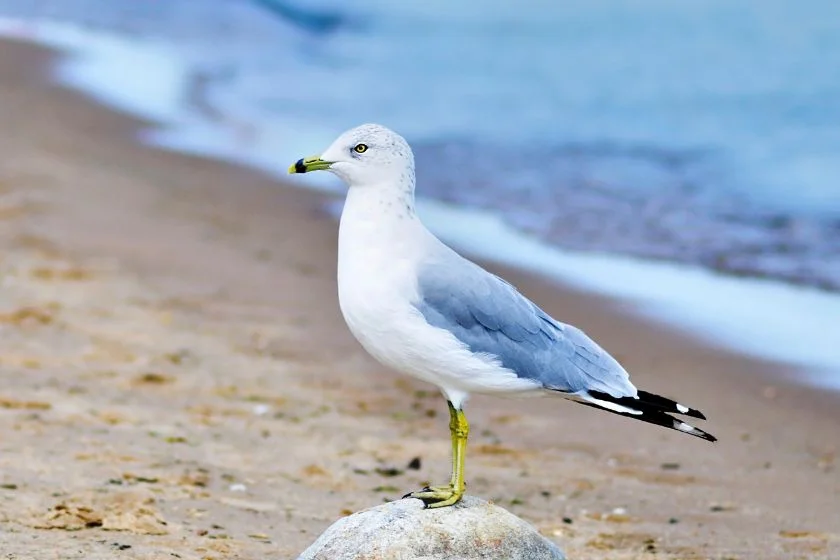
(437, 496)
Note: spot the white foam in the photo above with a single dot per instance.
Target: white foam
(140, 76)
(153, 79)
(763, 318)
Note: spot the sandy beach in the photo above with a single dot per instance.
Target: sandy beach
(177, 381)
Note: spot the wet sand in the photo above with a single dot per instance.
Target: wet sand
(177, 380)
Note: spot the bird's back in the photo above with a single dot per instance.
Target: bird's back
(490, 316)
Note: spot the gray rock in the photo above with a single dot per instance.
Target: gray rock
(403, 530)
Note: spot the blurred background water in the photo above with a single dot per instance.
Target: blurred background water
(701, 132)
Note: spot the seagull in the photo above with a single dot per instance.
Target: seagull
(420, 308)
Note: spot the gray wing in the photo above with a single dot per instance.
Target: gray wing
(491, 317)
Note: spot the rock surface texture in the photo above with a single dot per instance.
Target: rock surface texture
(404, 530)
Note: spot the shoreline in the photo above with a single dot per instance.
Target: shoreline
(689, 211)
(722, 310)
(203, 245)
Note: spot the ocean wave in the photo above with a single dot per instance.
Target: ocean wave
(646, 201)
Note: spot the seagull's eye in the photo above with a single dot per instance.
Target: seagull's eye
(360, 148)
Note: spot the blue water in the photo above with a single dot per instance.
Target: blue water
(703, 132)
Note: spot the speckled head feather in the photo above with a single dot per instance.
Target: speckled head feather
(384, 160)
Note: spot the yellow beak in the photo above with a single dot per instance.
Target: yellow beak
(306, 165)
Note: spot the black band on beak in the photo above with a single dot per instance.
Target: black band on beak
(299, 167)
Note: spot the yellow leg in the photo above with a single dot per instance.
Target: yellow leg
(442, 496)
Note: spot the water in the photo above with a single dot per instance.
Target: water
(704, 134)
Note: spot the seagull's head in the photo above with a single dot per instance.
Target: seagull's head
(368, 155)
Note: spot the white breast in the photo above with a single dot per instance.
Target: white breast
(378, 256)
(377, 278)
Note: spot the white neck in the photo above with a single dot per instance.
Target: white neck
(376, 212)
(376, 226)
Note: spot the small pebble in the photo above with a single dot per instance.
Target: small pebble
(388, 471)
(238, 487)
(261, 409)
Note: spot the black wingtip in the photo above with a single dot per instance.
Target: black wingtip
(645, 411)
(681, 426)
(667, 405)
